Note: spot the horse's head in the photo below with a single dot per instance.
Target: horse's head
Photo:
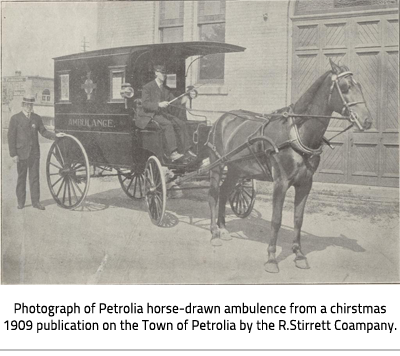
(346, 97)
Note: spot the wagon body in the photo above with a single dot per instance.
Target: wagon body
(89, 106)
(97, 101)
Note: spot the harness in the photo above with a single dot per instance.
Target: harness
(294, 139)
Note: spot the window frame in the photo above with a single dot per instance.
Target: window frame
(113, 70)
(210, 20)
(169, 23)
(46, 96)
(60, 100)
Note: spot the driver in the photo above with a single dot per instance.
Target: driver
(155, 98)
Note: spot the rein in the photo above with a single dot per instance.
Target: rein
(293, 130)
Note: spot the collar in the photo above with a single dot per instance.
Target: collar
(158, 84)
(27, 115)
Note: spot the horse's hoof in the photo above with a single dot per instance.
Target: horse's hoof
(271, 267)
(216, 241)
(301, 263)
(225, 235)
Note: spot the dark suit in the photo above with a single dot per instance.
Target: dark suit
(23, 142)
(152, 95)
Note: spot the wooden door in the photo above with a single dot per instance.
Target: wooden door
(368, 45)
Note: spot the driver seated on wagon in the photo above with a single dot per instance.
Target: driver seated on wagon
(156, 97)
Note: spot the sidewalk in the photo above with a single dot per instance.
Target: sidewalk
(333, 190)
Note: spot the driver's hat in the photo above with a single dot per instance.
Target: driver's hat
(160, 68)
(28, 99)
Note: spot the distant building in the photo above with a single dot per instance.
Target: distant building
(16, 86)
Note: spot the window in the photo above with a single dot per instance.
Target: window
(117, 77)
(64, 87)
(211, 23)
(171, 21)
(46, 95)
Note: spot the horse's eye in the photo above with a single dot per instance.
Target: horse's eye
(344, 87)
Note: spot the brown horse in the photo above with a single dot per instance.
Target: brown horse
(298, 134)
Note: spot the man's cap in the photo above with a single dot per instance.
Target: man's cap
(29, 99)
(160, 68)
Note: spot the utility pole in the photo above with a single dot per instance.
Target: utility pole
(85, 45)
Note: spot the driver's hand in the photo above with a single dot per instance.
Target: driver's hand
(163, 104)
(15, 159)
(60, 134)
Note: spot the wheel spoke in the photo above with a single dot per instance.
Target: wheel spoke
(76, 183)
(57, 159)
(59, 190)
(141, 182)
(153, 178)
(129, 185)
(135, 186)
(77, 165)
(57, 181)
(158, 204)
(245, 199)
(69, 192)
(58, 167)
(65, 189)
(247, 193)
(73, 190)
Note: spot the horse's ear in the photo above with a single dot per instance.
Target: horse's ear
(335, 67)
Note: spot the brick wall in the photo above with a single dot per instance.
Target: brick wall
(126, 23)
(254, 80)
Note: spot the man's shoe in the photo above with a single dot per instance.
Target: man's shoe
(39, 206)
(20, 206)
(175, 156)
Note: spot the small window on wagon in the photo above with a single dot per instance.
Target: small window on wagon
(117, 77)
(63, 91)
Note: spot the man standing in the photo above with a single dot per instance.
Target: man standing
(155, 98)
(24, 148)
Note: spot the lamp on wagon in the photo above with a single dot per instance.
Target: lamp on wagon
(192, 93)
(127, 92)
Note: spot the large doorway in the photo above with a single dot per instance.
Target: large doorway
(367, 42)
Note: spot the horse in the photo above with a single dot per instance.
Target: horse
(298, 132)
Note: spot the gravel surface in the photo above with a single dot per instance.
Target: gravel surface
(350, 235)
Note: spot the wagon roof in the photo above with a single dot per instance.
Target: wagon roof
(179, 50)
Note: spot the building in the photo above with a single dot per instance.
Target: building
(16, 86)
(289, 44)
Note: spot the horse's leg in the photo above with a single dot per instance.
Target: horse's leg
(301, 194)
(279, 193)
(225, 190)
(213, 193)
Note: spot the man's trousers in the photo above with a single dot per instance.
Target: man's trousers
(174, 129)
(23, 166)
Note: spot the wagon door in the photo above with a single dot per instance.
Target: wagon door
(368, 45)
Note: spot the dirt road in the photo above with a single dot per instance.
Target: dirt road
(110, 240)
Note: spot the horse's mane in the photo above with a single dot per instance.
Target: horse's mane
(304, 101)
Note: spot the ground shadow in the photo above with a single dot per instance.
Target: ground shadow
(196, 213)
(256, 228)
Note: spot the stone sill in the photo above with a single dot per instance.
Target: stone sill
(213, 89)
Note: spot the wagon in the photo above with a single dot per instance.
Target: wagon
(98, 99)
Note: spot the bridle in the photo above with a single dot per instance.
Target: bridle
(351, 116)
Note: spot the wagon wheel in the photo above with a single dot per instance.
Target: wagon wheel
(132, 183)
(67, 170)
(155, 190)
(242, 197)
